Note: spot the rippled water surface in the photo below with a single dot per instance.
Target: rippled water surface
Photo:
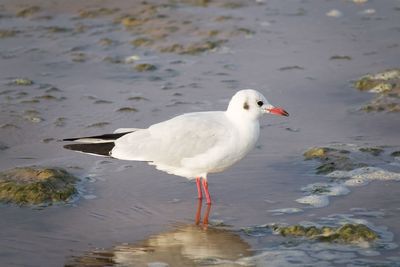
(303, 55)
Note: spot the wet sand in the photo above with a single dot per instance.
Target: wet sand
(86, 85)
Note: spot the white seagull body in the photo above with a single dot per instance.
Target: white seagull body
(190, 145)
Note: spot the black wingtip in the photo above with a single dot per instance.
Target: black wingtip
(101, 149)
(69, 139)
(104, 137)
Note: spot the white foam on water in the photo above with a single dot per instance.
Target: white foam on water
(320, 193)
(364, 175)
(348, 174)
(317, 201)
(285, 211)
(329, 189)
(338, 190)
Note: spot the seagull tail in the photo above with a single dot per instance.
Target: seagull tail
(99, 145)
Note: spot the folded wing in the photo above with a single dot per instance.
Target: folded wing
(177, 143)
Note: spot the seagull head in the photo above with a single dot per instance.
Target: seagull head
(252, 104)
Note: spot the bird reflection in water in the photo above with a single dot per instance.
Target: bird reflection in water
(206, 214)
(186, 245)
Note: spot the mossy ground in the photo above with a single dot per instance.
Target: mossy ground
(28, 11)
(145, 67)
(348, 157)
(7, 33)
(21, 82)
(375, 151)
(160, 26)
(348, 233)
(97, 12)
(331, 159)
(386, 85)
(194, 48)
(36, 185)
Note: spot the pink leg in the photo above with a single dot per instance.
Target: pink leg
(205, 187)
(199, 194)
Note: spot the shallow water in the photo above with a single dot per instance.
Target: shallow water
(125, 206)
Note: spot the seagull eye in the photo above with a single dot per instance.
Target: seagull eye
(260, 103)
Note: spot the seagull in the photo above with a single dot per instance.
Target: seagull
(190, 145)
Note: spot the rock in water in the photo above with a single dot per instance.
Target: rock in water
(331, 159)
(36, 185)
(348, 233)
(386, 85)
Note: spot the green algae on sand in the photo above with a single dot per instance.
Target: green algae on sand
(375, 151)
(379, 82)
(159, 27)
(346, 166)
(28, 11)
(386, 85)
(347, 233)
(8, 33)
(193, 48)
(97, 12)
(395, 154)
(141, 42)
(331, 159)
(21, 82)
(36, 185)
(145, 67)
(347, 157)
(343, 157)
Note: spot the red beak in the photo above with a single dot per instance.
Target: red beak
(278, 111)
